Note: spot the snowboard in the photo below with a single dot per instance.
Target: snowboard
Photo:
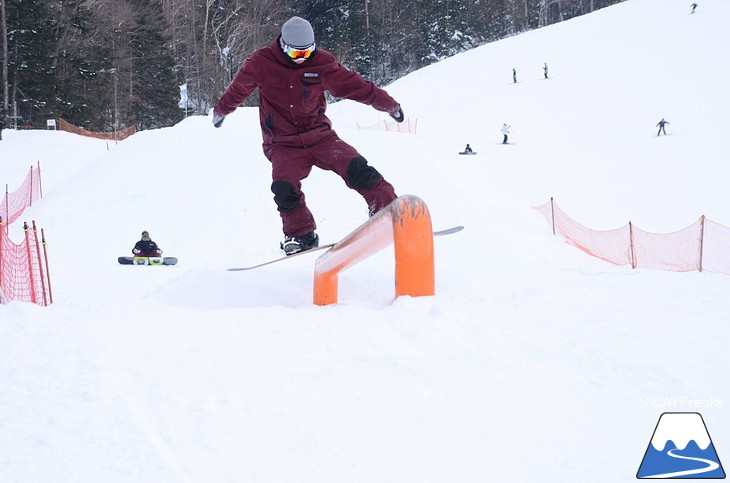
(448, 231)
(468, 153)
(147, 260)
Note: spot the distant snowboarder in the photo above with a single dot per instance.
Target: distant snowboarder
(146, 247)
(514, 76)
(468, 149)
(505, 132)
(545, 70)
(661, 127)
(694, 5)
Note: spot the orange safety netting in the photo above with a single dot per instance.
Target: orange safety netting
(704, 245)
(406, 126)
(13, 204)
(119, 135)
(23, 274)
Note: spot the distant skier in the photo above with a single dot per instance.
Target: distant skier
(661, 127)
(545, 70)
(468, 149)
(514, 76)
(505, 132)
(146, 247)
(694, 5)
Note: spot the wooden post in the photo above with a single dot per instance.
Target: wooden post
(631, 245)
(552, 212)
(40, 264)
(40, 184)
(30, 263)
(7, 209)
(702, 239)
(30, 197)
(48, 272)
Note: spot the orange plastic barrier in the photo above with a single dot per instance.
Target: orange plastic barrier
(406, 223)
(704, 245)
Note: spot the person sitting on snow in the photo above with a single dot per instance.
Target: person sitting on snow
(468, 149)
(146, 247)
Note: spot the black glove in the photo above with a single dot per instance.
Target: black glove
(217, 119)
(397, 115)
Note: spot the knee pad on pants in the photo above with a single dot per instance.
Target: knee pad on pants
(360, 175)
(285, 196)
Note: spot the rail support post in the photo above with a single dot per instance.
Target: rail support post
(405, 223)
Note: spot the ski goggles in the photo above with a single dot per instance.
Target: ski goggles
(296, 53)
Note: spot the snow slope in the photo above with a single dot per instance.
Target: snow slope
(533, 363)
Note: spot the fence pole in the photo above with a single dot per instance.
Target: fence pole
(48, 271)
(30, 263)
(1, 250)
(7, 209)
(631, 245)
(30, 194)
(40, 183)
(552, 213)
(40, 264)
(702, 238)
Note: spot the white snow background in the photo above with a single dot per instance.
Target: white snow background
(533, 363)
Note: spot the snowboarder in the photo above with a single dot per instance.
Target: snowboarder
(505, 132)
(514, 76)
(468, 149)
(694, 5)
(297, 134)
(146, 247)
(545, 70)
(661, 127)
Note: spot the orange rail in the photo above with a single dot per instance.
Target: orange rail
(406, 223)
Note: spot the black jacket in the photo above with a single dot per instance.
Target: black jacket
(148, 247)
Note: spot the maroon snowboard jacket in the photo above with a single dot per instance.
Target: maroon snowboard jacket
(292, 103)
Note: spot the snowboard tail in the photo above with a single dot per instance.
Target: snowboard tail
(147, 260)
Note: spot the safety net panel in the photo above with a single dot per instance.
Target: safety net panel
(674, 252)
(13, 204)
(716, 248)
(22, 274)
(610, 245)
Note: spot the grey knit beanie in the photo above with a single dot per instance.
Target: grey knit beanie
(297, 32)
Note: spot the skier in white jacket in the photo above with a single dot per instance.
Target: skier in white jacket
(505, 132)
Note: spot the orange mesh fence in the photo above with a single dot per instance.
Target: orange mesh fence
(23, 274)
(119, 135)
(610, 245)
(406, 126)
(704, 245)
(13, 204)
(716, 248)
(674, 252)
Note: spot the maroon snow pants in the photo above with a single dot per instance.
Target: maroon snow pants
(290, 165)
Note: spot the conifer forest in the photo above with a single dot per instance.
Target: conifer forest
(109, 64)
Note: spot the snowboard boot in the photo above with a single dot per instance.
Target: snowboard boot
(298, 244)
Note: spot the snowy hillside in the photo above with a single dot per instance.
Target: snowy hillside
(533, 362)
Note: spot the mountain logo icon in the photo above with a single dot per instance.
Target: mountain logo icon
(681, 448)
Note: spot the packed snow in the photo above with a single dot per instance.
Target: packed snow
(532, 363)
